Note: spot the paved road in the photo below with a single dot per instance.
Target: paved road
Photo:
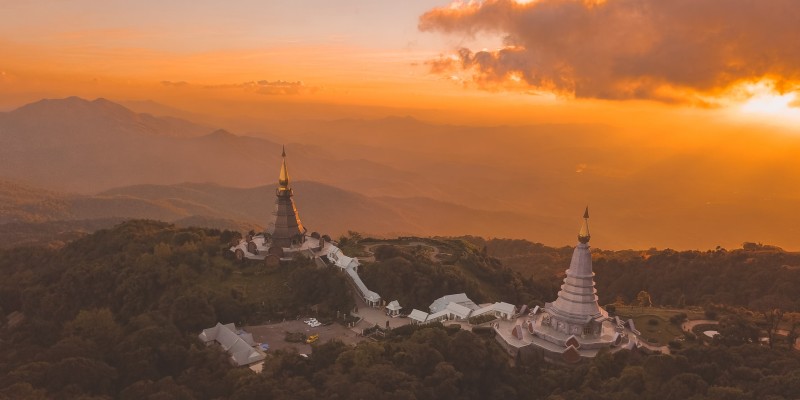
(662, 349)
(368, 249)
(371, 257)
(275, 334)
(689, 325)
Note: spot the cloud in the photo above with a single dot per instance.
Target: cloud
(264, 87)
(175, 84)
(6, 76)
(275, 87)
(682, 51)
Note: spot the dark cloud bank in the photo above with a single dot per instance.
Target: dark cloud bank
(665, 50)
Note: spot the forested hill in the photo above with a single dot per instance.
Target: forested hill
(115, 311)
(754, 276)
(115, 315)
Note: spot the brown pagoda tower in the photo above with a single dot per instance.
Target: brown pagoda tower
(285, 229)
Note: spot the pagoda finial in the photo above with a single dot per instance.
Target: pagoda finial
(283, 179)
(584, 235)
(283, 153)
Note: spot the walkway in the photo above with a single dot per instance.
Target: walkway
(376, 316)
(689, 325)
(662, 349)
(371, 257)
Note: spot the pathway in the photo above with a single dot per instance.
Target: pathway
(376, 316)
(662, 349)
(371, 257)
(689, 325)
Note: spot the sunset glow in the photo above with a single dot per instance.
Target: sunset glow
(584, 91)
(336, 56)
(766, 105)
(383, 199)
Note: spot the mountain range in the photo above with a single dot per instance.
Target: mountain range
(323, 208)
(86, 146)
(402, 175)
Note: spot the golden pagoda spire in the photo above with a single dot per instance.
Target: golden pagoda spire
(283, 179)
(584, 235)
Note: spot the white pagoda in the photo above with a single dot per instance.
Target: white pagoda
(574, 325)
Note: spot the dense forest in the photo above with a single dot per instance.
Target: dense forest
(115, 314)
(121, 308)
(409, 275)
(436, 363)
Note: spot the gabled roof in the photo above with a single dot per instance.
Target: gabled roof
(500, 307)
(211, 333)
(239, 346)
(418, 315)
(505, 308)
(459, 310)
(460, 298)
(437, 316)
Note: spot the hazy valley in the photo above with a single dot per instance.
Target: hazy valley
(402, 175)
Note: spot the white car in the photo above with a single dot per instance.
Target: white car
(312, 322)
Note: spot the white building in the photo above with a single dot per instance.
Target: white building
(393, 308)
(460, 298)
(500, 310)
(418, 317)
(239, 345)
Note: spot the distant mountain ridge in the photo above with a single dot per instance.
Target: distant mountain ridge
(75, 112)
(323, 208)
(86, 146)
(648, 189)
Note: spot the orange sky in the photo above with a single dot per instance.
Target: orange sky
(541, 61)
(697, 99)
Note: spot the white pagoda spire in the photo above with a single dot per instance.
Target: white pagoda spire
(574, 326)
(577, 300)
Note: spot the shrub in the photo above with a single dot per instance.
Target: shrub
(451, 329)
(677, 319)
(481, 319)
(405, 330)
(483, 330)
(295, 337)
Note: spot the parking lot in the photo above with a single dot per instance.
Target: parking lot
(275, 334)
